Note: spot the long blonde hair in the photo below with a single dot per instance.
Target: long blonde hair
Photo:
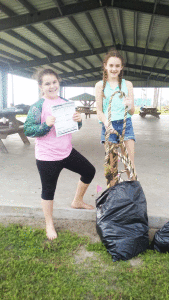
(112, 53)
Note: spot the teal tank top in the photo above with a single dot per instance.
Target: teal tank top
(117, 107)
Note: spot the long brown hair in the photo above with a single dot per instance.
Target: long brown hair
(112, 53)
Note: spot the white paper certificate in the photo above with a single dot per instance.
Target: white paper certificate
(64, 123)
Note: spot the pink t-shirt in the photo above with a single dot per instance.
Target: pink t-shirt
(50, 147)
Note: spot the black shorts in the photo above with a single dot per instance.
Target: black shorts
(49, 172)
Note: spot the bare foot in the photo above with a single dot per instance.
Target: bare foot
(81, 205)
(51, 232)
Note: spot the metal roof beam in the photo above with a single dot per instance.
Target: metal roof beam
(41, 36)
(28, 6)
(18, 36)
(44, 38)
(81, 54)
(12, 56)
(135, 33)
(142, 6)
(90, 19)
(120, 18)
(60, 4)
(73, 21)
(150, 29)
(27, 42)
(148, 69)
(75, 8)
(48, 14)
(25, 73)
(165, 45)
(7, 44)
(60, 35)
(132, 74)
(98, 77)
(98, 69)
(7, 11)
(77, 73)
(109, 25)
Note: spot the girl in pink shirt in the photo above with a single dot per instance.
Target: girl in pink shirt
(55, 153)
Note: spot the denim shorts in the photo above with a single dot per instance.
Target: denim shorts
(118, 125)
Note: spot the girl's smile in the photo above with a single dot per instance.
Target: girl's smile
(50, 86)
(113, 67)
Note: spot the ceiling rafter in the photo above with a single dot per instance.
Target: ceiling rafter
(15, 57)
(9, 12)
(136, 75)
(142, 7)
(98, 69)
(65, 75)
(16, 48)
(72, 20)
(120, 18)
(44, 38)
(81, 54)
(164, 48)
(90, 19)
(150, 29)
(81, 7)
(135, 34)
(76, 64)
(109, 25)
(21, 38)
(60, 35)
(48, 14)
(14, 34)
(28, 6)
(40, 35)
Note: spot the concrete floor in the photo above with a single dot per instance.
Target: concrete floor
(20, 186)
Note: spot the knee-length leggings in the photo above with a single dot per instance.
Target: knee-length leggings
(49, 172)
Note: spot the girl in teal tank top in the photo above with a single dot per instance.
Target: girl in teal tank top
(113, 66)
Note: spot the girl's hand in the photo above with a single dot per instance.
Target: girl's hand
(106, 126)
(77, 117)
(50, 121)
(127, 102)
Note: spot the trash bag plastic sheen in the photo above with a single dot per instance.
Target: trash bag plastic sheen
(122, 221)
(161, 239)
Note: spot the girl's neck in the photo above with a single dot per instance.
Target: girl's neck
(51, 99)
(114, 82)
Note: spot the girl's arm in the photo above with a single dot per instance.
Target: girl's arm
(129, 101)
(99, 103)
(33, 126)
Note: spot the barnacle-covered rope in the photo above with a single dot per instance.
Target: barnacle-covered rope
(111, 170)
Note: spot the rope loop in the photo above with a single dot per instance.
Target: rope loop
(111, 173)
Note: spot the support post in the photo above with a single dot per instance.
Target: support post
(3, 89)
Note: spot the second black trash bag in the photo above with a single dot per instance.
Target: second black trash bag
(122, 221)
(161, 239)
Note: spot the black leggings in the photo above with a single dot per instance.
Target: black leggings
(49, 172)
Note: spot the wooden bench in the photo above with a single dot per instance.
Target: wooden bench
(149, 111)
(12, 126)
(86, 110)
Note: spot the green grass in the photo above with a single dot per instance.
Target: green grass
(33, 268)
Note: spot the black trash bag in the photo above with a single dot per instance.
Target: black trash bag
(161, 239)
(122, 221)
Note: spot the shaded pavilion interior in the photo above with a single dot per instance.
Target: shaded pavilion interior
(72, 37)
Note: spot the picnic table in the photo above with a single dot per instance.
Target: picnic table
(11, 126)
(147, 110)
(86, 109)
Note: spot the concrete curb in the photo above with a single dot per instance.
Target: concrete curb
(70, 214)
(58, 213)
